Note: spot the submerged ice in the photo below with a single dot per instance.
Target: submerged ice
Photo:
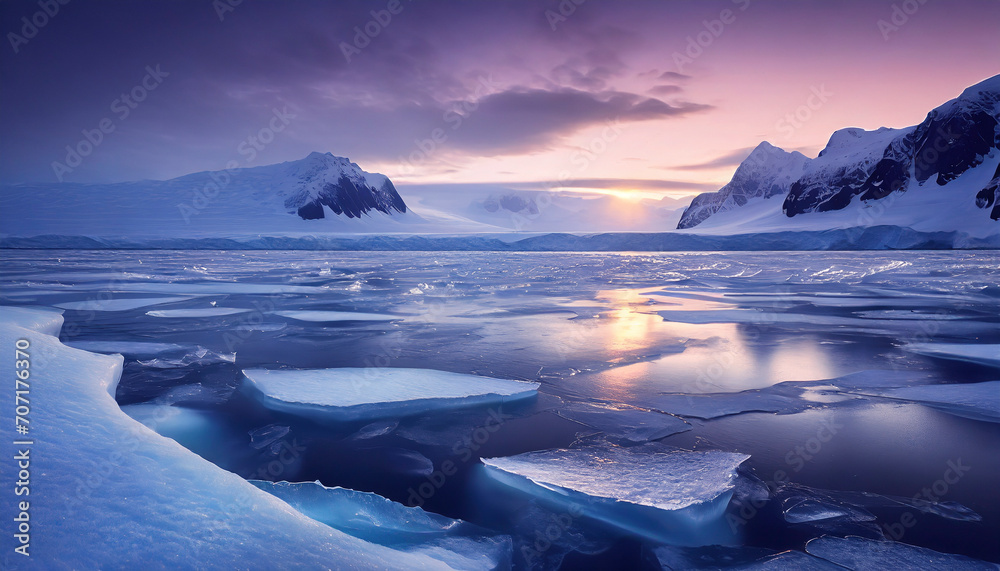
(379, 520)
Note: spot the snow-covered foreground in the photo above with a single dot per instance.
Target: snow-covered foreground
(110, 493)
(679, 411)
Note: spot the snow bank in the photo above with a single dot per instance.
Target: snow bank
(109, 493)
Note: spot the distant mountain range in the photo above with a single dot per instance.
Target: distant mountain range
(940, 175)
(933, 185)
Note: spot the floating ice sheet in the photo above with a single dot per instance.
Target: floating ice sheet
(198, 312)
(632, 424)
(979, 401)
(131, 348)
(368, 393)
(862, 554)
(678, 497)
(118, 304)
(790, 560)
(330, 316)
(129, 488)
(715, 405)
(379, 520)
(984, 354)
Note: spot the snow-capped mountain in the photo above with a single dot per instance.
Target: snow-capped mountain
(320, 193)
(940, 175)
(325, 180)
(767, 172)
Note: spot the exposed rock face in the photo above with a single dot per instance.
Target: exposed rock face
(325, 180)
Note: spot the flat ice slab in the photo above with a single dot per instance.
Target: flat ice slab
(629, 423)
(118, 304)
(984, 354)
(330, 316)
(349, 394)
(715, 405)
(382, 521)
(678, 497)
(980, 401)
(197, 312)
(870, 555)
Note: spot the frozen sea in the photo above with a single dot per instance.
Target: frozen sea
(804, 361)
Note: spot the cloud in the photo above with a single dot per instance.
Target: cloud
(521, 119)
(665, 89)
(673, 76)
(733, 158)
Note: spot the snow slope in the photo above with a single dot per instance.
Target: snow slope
(318, 194)
(107, 492)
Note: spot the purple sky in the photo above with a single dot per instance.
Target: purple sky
(462, 92)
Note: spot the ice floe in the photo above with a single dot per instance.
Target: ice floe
(126, 304)
(979, 401)
(632, 424)
(330, 316)
(349, 394)
(983, 354)
(198, 312)
(861, 554)
(677, 497)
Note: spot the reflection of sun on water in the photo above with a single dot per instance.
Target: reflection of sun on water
(627, 330)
